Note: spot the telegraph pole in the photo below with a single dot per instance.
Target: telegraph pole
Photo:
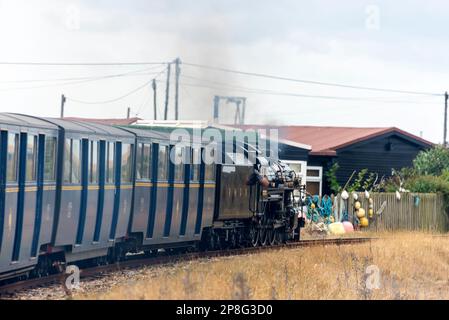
(445, 119)
(178, 71)
(128, 114)
(154, 99)
(63, 100)
(167, 91)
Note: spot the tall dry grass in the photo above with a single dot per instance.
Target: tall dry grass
(411, 265)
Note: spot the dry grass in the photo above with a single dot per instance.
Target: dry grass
(412, 266)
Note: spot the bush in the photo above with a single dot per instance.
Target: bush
(428, 184)
(432, 162)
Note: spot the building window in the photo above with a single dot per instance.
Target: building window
(300, 169)
(314, 180)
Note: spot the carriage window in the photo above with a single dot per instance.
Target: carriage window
(127, 162)
(67, 160)
(13, 147)
(209, 170)
(50, 157)
(93, 162)
(179, 163)
(143, 161)
(31, 158)
(110, 162)
(162, 163)
(209, 174)
(76, 161)
(195, 165)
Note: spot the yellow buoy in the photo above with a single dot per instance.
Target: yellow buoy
(361, 213)
(371, 201)
(312, 205)
(357, 205)
(364, 223)
(370, 213)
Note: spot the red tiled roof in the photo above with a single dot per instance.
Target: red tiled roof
(111, 122)
(327, 140)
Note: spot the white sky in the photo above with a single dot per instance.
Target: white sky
(388, 44)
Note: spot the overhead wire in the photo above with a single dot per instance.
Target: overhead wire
(218, 85)
(275, 77)
(118, 98)
(80, 78)
(76, 82)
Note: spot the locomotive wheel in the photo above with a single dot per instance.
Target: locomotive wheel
(254, 236)
(271, 237)
(263, 237)
(278, 236)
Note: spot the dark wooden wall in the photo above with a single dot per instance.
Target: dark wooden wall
(288, 152)
(378, 155)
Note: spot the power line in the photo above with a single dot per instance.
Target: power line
(111, 100)
(81, 78)
(280, 93)
(261, 75)
(118, 98)
(69, 83)
(69, 64)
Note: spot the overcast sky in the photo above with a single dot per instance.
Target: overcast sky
(388, 44)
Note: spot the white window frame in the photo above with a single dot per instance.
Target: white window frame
(316, 179)
(303, 173)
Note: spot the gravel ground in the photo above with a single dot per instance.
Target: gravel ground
(101, 284)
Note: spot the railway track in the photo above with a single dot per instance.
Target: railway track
(9, 290)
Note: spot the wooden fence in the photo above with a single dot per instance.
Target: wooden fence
(414, 211)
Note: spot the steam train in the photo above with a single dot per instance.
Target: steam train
(81, 192)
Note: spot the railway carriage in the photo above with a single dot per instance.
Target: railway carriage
(171, 206)
(27, 189)
(94, 188)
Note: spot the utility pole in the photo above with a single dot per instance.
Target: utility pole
(128, 114)
(63, 100)
(154, 99)
(178, 72)
(167, 91)
(445, 119)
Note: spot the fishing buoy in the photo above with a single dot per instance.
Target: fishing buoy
(370, 213)
(344, 195)
(361, 213)
(336, 228)
(355, 196)
(348, 226)
(398, 195)
(364, 223)
(366, 194)
(312, 206)
(371, 201)
(357, 205)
